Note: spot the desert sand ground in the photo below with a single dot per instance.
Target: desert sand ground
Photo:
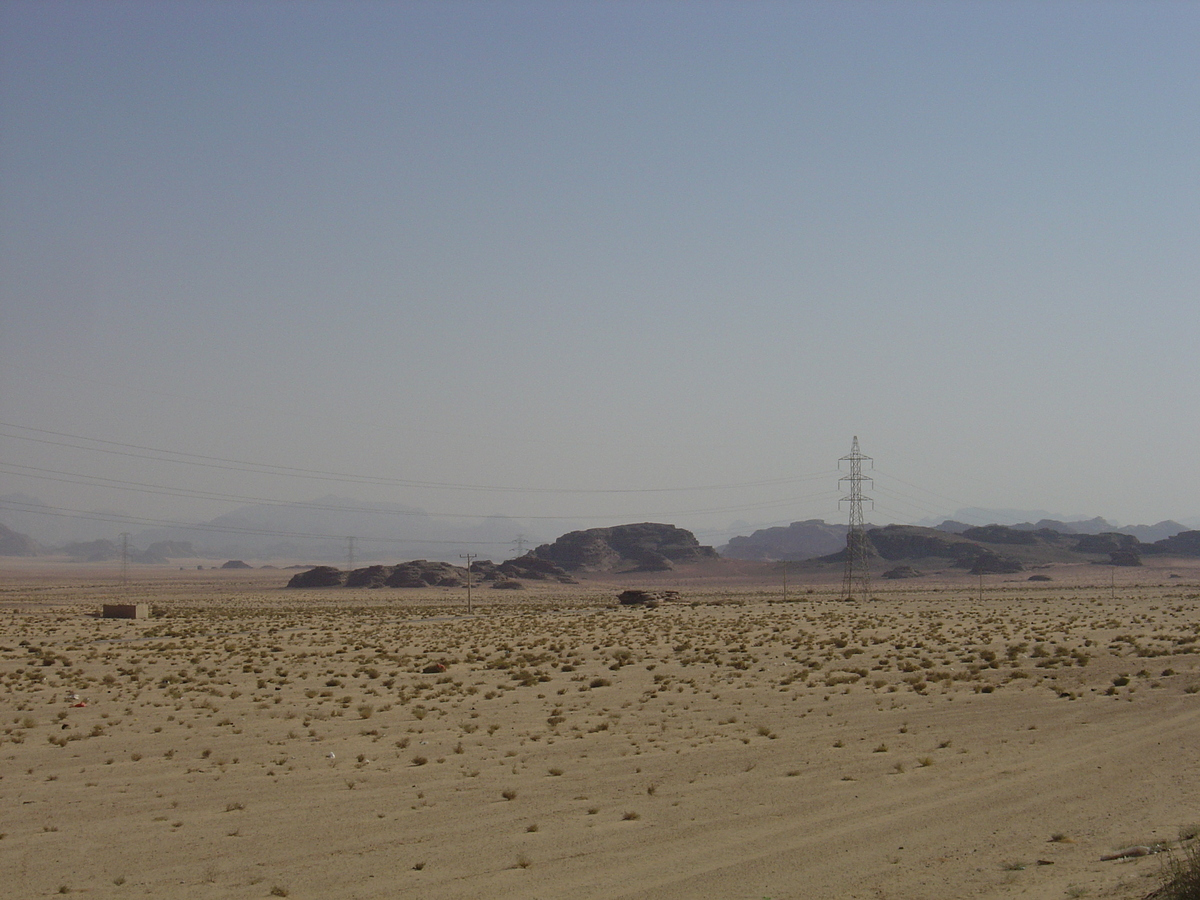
(251, 741)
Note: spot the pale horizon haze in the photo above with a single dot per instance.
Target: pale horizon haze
(590, 263)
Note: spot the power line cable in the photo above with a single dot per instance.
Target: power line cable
(119, 518)
(216, 462)
(115, 484)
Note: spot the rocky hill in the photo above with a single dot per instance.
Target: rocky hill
(91, 551)
(993, 549)
(800, 540)
(645, 547)
(13, 543)
(1145, 533)
(419, 573)
(1186, 543)
(164, 551)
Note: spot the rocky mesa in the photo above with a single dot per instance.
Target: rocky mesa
(644, 547)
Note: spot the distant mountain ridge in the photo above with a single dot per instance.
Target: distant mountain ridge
(813, 538)
(994, 549)
(312, 530)
(798, 541)
(13, 543)
(321, 529)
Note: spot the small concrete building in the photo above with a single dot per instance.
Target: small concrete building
(126, 610)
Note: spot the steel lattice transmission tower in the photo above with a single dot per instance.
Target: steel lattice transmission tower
(857, 578)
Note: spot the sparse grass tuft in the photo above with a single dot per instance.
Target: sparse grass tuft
(1181, 880)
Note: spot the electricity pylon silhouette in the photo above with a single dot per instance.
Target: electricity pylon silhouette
(857, 577)
(518, 545)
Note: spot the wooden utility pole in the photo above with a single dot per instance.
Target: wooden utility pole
(125, 558)
(468, 557)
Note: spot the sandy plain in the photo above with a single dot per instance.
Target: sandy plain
(251, 741)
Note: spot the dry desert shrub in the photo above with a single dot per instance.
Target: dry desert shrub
(1182, 876)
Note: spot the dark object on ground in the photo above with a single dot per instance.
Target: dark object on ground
(1040, 578)
(901, 572)
(646, 598)
(126, 611)
(1129, 853)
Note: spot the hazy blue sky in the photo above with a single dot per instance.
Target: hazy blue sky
(576, 248)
